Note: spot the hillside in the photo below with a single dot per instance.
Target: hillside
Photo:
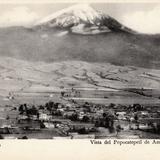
(55, 44)
(116, 83)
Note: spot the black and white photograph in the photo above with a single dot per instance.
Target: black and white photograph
(80, 71)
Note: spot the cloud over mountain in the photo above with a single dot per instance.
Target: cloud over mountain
(18, 16)
(146, 21)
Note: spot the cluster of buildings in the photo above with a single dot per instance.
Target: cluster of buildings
(85, 120)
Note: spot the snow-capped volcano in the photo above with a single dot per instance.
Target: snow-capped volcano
(60, 37)
(73, 14)
(82, 18)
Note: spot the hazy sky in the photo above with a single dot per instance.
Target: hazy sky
(142, 17)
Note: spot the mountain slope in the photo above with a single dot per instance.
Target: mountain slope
(57, 45)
